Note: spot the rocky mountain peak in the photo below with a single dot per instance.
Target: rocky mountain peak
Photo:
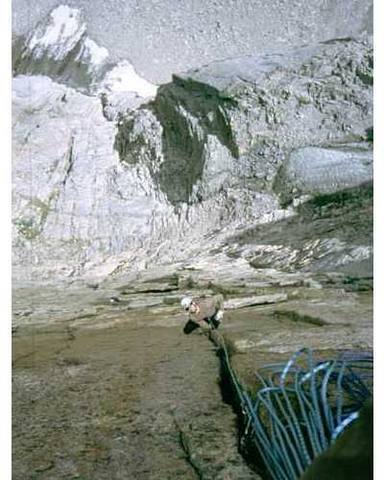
(60, 47)
(58, 34)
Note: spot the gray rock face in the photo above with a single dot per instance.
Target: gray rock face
(178, 175)
(76, 206)
(331, 232)
(73, 201)
(235, 122)
(161, 37)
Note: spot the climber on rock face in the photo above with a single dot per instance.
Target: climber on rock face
(206, 313)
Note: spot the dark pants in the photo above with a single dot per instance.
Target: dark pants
(190, 326)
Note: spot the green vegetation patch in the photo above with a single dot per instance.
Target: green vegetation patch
(351, 196)
(27, 228)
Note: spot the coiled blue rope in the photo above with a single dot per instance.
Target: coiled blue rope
(302, 407)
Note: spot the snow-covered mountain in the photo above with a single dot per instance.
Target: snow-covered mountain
(60, 48)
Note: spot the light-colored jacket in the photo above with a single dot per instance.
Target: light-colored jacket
(208, 307)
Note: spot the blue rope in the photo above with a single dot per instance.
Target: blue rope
(302, 407)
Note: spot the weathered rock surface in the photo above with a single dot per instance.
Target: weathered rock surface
(71, 194)
(329, 233)
(182, 174)
(92, 350)
(76, 206)
(326, 321)
(228, 128)
(117, 403)
(112, 381)
(235, 122)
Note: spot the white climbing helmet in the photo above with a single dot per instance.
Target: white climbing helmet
(186, 302)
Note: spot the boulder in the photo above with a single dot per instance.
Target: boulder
(317, 170)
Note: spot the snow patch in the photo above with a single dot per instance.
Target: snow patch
(60, 34)
(123, 78)
(97, 55)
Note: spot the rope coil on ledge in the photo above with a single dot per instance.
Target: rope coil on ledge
(302, 406)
